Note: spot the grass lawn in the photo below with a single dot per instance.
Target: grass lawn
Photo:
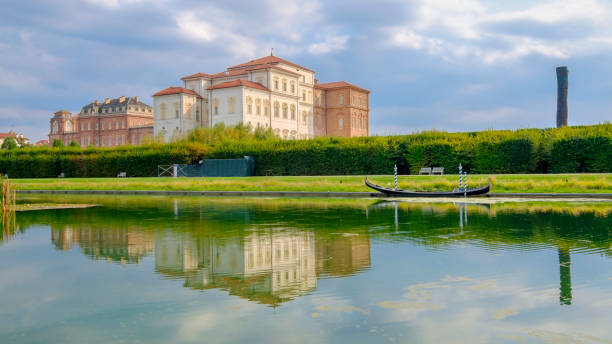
(562, 183)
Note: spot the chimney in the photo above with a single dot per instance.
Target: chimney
(562, 83)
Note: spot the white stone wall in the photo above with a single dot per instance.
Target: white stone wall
(167, 124)
(222, 95)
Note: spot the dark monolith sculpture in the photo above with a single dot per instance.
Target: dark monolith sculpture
(561, 96)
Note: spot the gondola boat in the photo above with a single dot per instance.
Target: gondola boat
(409, 193)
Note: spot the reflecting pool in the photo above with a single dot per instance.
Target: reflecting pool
(162, 270)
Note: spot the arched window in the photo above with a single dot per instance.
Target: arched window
(340, 122)
(162, 111)
(216, 106)
(276, 109)
(249, 102)
(285, 134)
(292, 111)
(68, 126)
(258, 106)
(285, 110)
(231, 101)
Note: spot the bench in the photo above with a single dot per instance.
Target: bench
(438, 170)
(61, 175)
(122, 175)
(425, 171)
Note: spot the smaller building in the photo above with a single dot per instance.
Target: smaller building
(114, 122)
(19, 138)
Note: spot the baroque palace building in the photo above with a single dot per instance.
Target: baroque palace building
(113, 122)
(268, 92)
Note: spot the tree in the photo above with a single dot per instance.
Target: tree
(9, 143)
(73, 143)
(58, 143)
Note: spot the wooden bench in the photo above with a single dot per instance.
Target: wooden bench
(438, 170)
(121, 175)
(425, 171)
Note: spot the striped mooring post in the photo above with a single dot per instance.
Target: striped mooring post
(395, 176)
(460, 177)
(465, 185)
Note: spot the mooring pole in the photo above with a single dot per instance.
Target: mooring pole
(395, 176)
(460, 176)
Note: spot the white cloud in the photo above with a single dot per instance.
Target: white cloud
(329, 44)
(455, 29)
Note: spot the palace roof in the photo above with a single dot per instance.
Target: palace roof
(197, 75)
(270, 60)
(175, 90)
(240, 82)
(340, 84)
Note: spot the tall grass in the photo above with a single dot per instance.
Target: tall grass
(7, 208)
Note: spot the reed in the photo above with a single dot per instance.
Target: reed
(8, 194)
(7, 209)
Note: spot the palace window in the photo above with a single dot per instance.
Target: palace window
(216, 106)
(303, 117)
(340, 100)
(292, 87)
(354, 122)
(258, 106)
(123, 124)
(197, 114)
(284, 85)
(249, 102)
(285, 110)
(162, 110)
(292, 112)
(276, 83)
(266, 108)
(231, 101)
(303, 95)
(176, 113)
(89, 126)
(96, 125)
(340, 122)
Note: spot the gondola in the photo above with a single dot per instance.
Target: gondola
(408, 193)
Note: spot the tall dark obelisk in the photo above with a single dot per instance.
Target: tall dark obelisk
(562, 96)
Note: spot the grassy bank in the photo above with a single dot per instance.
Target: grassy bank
(502, 183)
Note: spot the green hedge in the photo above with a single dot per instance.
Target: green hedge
(565, 150)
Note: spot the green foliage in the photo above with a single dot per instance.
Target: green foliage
(564, 150)
(58, 143)
(73, 143)
(9, 143)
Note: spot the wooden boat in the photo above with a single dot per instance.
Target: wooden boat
(409, 193)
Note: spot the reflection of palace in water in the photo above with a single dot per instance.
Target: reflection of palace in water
(269, 267)
(113, 244)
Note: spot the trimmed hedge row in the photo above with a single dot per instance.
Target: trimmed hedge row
(565, 150)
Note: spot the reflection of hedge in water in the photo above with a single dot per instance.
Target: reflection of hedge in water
(556, 225)
(568, 149)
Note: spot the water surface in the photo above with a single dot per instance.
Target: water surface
(156, 269)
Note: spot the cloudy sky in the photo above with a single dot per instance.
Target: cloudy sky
(430, 64)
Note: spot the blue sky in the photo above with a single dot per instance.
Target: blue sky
(430, 64)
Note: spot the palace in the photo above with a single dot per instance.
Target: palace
(114, 122)
(268, 92)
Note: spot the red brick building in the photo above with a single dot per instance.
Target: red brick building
(114, 122)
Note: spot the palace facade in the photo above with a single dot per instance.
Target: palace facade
(113, 122)
(268, 92)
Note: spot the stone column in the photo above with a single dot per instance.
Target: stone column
(562, 96)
